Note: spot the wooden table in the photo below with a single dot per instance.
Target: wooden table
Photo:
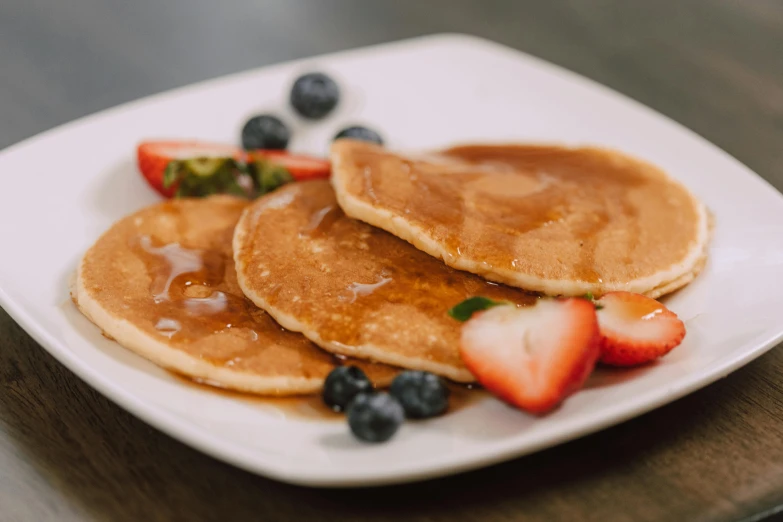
(68, 454)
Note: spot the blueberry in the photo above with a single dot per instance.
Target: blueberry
(360, 133)
(343, 384)
(265, 132)
(314, 95)
(375, 417)
(421, 394)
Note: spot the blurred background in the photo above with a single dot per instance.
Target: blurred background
(698, 61)
(67, 453)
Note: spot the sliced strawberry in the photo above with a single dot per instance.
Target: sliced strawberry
(154, 156)
(300, 166)
(636, 329)
(532, 357)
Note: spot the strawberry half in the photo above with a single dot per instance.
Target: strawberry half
(301, 167)
(636, 329)
(532, 357)
(153, 157)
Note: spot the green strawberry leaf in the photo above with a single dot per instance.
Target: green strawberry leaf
(465, 310)
(235, 189)
(269, 176)
(205, 167)
(589, 296)
(171, 174)
(182, 192)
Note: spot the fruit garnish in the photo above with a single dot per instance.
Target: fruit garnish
(532, 357)
(300, 166)
(636, 329)
(375, 417)
(265, 132)
(268, 176)
(204, 167)
(198, 169)
(342, 385)
(314, 95)
(155, 158)
(590, 297)
(360, 133)
(201, 177)
(465, 310)
(421, 394)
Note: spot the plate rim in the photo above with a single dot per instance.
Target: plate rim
(216, 447)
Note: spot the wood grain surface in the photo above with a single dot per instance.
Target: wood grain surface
(68, 454)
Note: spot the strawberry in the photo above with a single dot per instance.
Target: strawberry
(532, 357)
(636, 329)
(300, 167)
(155, 156)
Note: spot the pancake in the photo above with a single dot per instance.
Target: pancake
(351, 288)
(162, 283)
(555, 220)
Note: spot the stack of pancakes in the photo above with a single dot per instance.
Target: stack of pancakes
(267, 297)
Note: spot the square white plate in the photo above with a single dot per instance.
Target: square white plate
(61, 189)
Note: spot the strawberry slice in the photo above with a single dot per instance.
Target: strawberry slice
(636, 329)
(532, 357)
(153, 157)
(300, 166)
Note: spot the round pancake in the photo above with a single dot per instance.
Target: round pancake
(351, 288)
(162, 283)
(555, 220)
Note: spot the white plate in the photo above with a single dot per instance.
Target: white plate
(63, 188)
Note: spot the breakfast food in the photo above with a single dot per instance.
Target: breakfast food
(314, 95)
(375, 417)
(207, 287)
(636, 329)
(162, 283)
(533, 357)
(342, 385)
(357, 132)
(265, 132)
(165, 164)
(421, 394)
(299, 166)
(198, 169)
(350, 288)
(555, 220)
